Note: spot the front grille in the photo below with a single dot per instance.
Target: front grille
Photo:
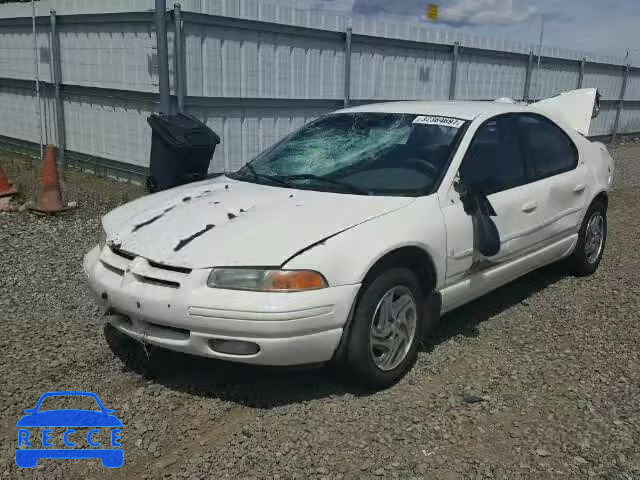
(122, 253)
(169, 267)
(111, 268)
(157, 281)
(130, 256)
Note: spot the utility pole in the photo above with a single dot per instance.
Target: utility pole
(541, 37)
(36, 55)
(163, 56)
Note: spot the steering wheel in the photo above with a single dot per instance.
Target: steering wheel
(421, 166)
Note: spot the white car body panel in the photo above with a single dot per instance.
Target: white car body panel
(267, 225)
(574, 107)
(346, 258)
(157, 293)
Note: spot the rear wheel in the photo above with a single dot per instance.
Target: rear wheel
(387, 325)
(591, 241)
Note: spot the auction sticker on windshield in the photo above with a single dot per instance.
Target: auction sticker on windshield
(440, 121)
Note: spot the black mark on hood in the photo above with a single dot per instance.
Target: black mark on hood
(231, 216)
(242, 210)
(226, 187)
(148, 222)
(186, 199)
(185, 241)
(151, 220)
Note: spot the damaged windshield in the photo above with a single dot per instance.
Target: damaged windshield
(360, 153)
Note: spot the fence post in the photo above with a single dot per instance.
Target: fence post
(57, 80)
(179, 72)
(581, 72)
(163, 56)
(623, 89)
(527, 80)
(347, 67)
(454, 70)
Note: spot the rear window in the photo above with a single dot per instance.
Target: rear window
(549, 149)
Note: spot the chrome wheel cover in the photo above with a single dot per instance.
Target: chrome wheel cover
(393, 328)
(594, 237)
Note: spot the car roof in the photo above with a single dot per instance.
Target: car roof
(465, 110)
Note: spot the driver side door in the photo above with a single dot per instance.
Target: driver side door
(495, 160)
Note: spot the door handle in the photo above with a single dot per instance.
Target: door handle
(529, 207)
(579, 188)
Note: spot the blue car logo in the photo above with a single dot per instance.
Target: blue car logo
(28, 452)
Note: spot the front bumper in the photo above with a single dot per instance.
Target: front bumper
(176, 310)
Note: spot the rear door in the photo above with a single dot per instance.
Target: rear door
(558, 171)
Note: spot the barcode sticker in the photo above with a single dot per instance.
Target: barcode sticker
(440, 121)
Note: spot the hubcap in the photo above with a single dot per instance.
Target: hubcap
(393, 328)
(594, 238)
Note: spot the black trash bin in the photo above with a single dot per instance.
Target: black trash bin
(181, 149)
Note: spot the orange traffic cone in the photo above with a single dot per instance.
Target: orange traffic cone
(49, 198)
(6, 189)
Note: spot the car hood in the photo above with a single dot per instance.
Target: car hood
(69, 418)
(225, 222)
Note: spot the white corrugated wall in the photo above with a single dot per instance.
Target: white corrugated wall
(227, 68)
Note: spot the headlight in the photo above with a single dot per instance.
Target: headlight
(266, 280)
(102, 239)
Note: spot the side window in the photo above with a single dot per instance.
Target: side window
(549, 149)
(494, 159)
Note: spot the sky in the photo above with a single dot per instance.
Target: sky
(600, 26)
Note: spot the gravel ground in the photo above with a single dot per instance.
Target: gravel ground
(537, 380)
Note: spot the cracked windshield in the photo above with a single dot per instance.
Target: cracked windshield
(360, 153)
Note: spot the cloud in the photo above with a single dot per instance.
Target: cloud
(602, 25)
(413, 8)
(452, 12)
(485, 12)
(344, 6)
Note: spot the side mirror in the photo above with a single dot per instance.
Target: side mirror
(486, 235)
(29, 411)
(486, 238)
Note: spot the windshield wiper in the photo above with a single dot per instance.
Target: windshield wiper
(308, 176)
(271, 178)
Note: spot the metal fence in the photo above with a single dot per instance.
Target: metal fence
(254, 71)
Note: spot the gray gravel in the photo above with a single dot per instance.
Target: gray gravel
(538, 380)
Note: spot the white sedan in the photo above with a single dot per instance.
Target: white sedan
(349, 238)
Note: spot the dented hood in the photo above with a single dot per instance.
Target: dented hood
(224, 222)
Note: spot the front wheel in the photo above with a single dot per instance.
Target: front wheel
(591, 241)
(387, 324)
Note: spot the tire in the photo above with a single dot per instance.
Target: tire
(586, 256)
(366, 362)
